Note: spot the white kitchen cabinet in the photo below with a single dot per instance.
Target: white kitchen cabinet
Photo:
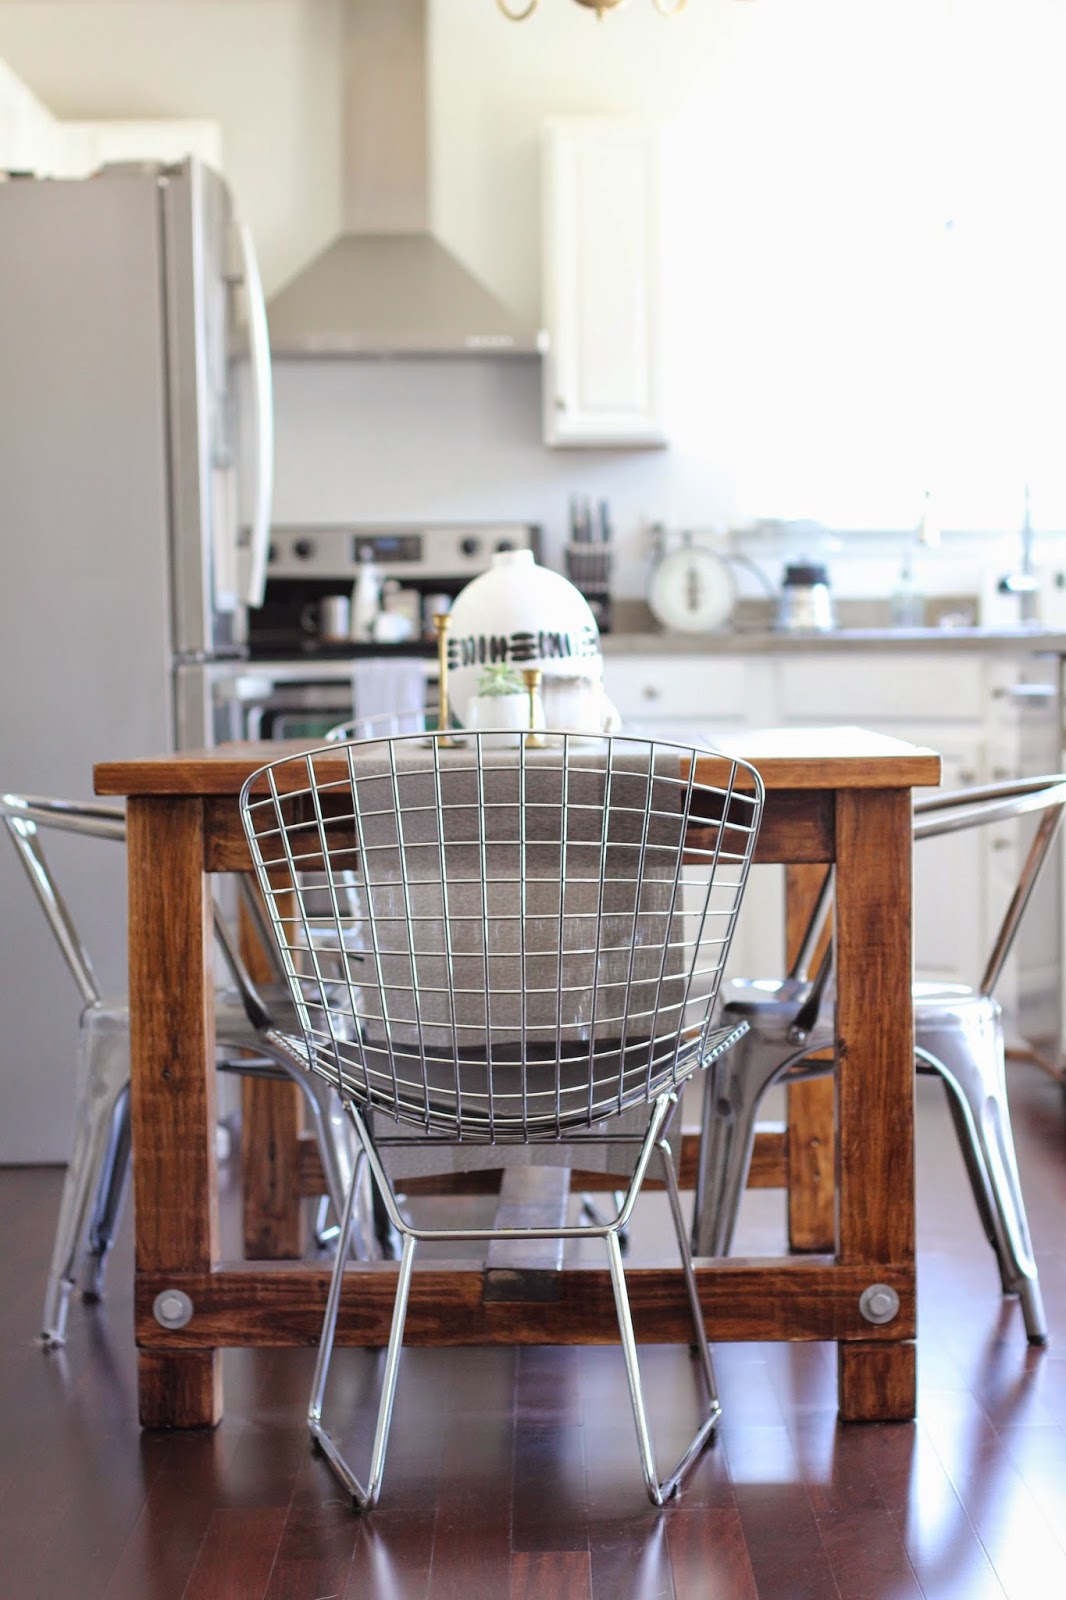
(601, 283)
(693, 698)
(705, 691)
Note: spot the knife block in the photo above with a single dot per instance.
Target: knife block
(588, 566)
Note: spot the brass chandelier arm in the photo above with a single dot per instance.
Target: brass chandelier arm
(518, 16)
(665, 10)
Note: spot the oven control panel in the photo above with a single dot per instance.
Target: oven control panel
(443, 551)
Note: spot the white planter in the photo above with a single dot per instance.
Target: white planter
(502, 718)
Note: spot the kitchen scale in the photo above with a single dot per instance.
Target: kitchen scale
(692, 589)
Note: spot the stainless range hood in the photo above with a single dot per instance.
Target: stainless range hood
(387, 286)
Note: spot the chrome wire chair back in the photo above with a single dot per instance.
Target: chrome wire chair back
(543, 933)
(98, 1171)
(958, 1036)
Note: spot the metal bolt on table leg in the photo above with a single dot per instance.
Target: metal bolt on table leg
(879, 1302)
(172, 1308)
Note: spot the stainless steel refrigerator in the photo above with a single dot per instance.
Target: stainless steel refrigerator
(134, 405)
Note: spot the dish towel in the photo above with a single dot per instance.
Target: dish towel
(385, 684)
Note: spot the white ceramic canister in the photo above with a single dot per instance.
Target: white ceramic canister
(521, 615)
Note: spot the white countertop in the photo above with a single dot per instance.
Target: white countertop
(757, 641)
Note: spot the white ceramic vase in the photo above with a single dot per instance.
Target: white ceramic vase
(501, 718)
(525, 616)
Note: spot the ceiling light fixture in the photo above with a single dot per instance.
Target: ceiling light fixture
(664, 7)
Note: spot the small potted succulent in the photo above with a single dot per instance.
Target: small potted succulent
(501, 703)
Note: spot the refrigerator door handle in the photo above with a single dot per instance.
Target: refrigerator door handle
(253, 575)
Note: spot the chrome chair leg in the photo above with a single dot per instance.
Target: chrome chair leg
(104, 1081)
(332, 1135)
(344, 1162)
(325, 1232)
(110, 1196)
(659, 1490)
(364, 1498)
(338, 1153)
(965, 1048)
(976, 1171)
(735, 1086)
(629, 1352)
(971, 1062)
(701, 1345)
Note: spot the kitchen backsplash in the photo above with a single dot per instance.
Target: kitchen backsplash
(460, 441)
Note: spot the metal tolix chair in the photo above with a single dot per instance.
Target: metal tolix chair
(958, 1035)
(544, 932)
(98, 1171)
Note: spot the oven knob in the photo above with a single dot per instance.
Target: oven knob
(304, 549)
(470, 546)
(272, 552)
(505, 544)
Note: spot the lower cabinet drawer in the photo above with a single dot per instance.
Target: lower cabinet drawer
(857, 688)
(704, 689)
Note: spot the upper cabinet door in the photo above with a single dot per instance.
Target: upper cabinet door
(601, 283)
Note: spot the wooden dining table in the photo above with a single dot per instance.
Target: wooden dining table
(841, 796)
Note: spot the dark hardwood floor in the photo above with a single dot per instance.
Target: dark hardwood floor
(514, 1474)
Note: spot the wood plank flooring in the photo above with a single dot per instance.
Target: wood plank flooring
(513, 1475)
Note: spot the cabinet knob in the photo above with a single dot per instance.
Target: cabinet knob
(560, 403)
(650, 692)
(967, 775)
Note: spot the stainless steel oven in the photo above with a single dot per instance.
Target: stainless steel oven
(313, 572)
(299, 678)
(220, 702)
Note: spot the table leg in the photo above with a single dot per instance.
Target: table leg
(811, 1194)
(172, 1086)
(875, 1082)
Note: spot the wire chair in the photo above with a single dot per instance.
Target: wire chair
(98, 1171)
(958, 1035)
(543, 932)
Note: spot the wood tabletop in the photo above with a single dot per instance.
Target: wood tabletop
(787, 758)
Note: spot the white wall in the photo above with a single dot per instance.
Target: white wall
(865, 236)
(264, 69)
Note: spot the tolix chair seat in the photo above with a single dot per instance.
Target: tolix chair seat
(97, 1174)
(958, 1036)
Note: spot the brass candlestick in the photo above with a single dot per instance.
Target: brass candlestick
(531, 677)
(442, 622)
